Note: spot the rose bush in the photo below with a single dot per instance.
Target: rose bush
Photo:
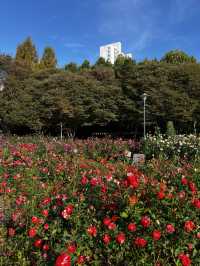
(86, 207)
(184, 146)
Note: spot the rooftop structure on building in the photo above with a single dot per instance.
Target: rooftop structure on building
(110, 52)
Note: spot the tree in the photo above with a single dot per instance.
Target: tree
(26, 54)
(48, 59)
(123, 67)
(171, 131)
(72, 67)
(99, 95)
(120, 60)
(5, 63)
(85, 64)
(118, 65)
(18, 111)
(102, 62)
(104, 74)
(178, 57)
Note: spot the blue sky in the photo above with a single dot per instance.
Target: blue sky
(76, 29)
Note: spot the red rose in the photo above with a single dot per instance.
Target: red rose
(140, 242)
(45, 247)
(35, 220)
(120, 238)
(125, 183)
(107, 221)
(84, 180)
(92, 230)
(11, 231)
(112, 226)
(94, 182)
(103, 188)
(71, 248)
(156, 235)
(189, 226)
(185, 260)
(109, 177)
(46, 201)
(170, 228)
(32, 232)
(38, 243)
(69, 209)
(81, 259)
(63, 260)
(192, 187)
(46, 226)
(106, 239)
(145, 221)
(45, 170)
(184, 181)
(45, 213)
(66, 213)
(196, 203)
(133, 180)
(3, 183)
(132, 227)
(198, 235)
(160, 195)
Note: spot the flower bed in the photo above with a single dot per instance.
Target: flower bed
(187, 146)
(73, 204)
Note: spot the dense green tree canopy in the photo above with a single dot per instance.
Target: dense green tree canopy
(5, 62)
(85, 64)
(178, 57)
(102, 62)
(72, 67)
(26, 54)
(38, 96)
(48, 59)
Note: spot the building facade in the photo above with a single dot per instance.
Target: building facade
(110, 52)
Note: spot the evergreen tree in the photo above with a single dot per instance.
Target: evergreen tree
(85, 64)
(48, 59)
(5, 62)
(178, 57)
(100, 62)
(26, 54)
(119, 61)
(118, 65)
(72, 67)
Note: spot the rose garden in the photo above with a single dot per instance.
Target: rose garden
(84, 202)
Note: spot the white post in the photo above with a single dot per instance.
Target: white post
(61, 131)
(144, 98)
(195, 130)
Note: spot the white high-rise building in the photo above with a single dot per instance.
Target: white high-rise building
(110, 52)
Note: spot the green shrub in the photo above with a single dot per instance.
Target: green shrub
(170, 129)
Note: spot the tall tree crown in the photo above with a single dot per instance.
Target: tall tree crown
(178, 57)
(26, 53)
(49, 58)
